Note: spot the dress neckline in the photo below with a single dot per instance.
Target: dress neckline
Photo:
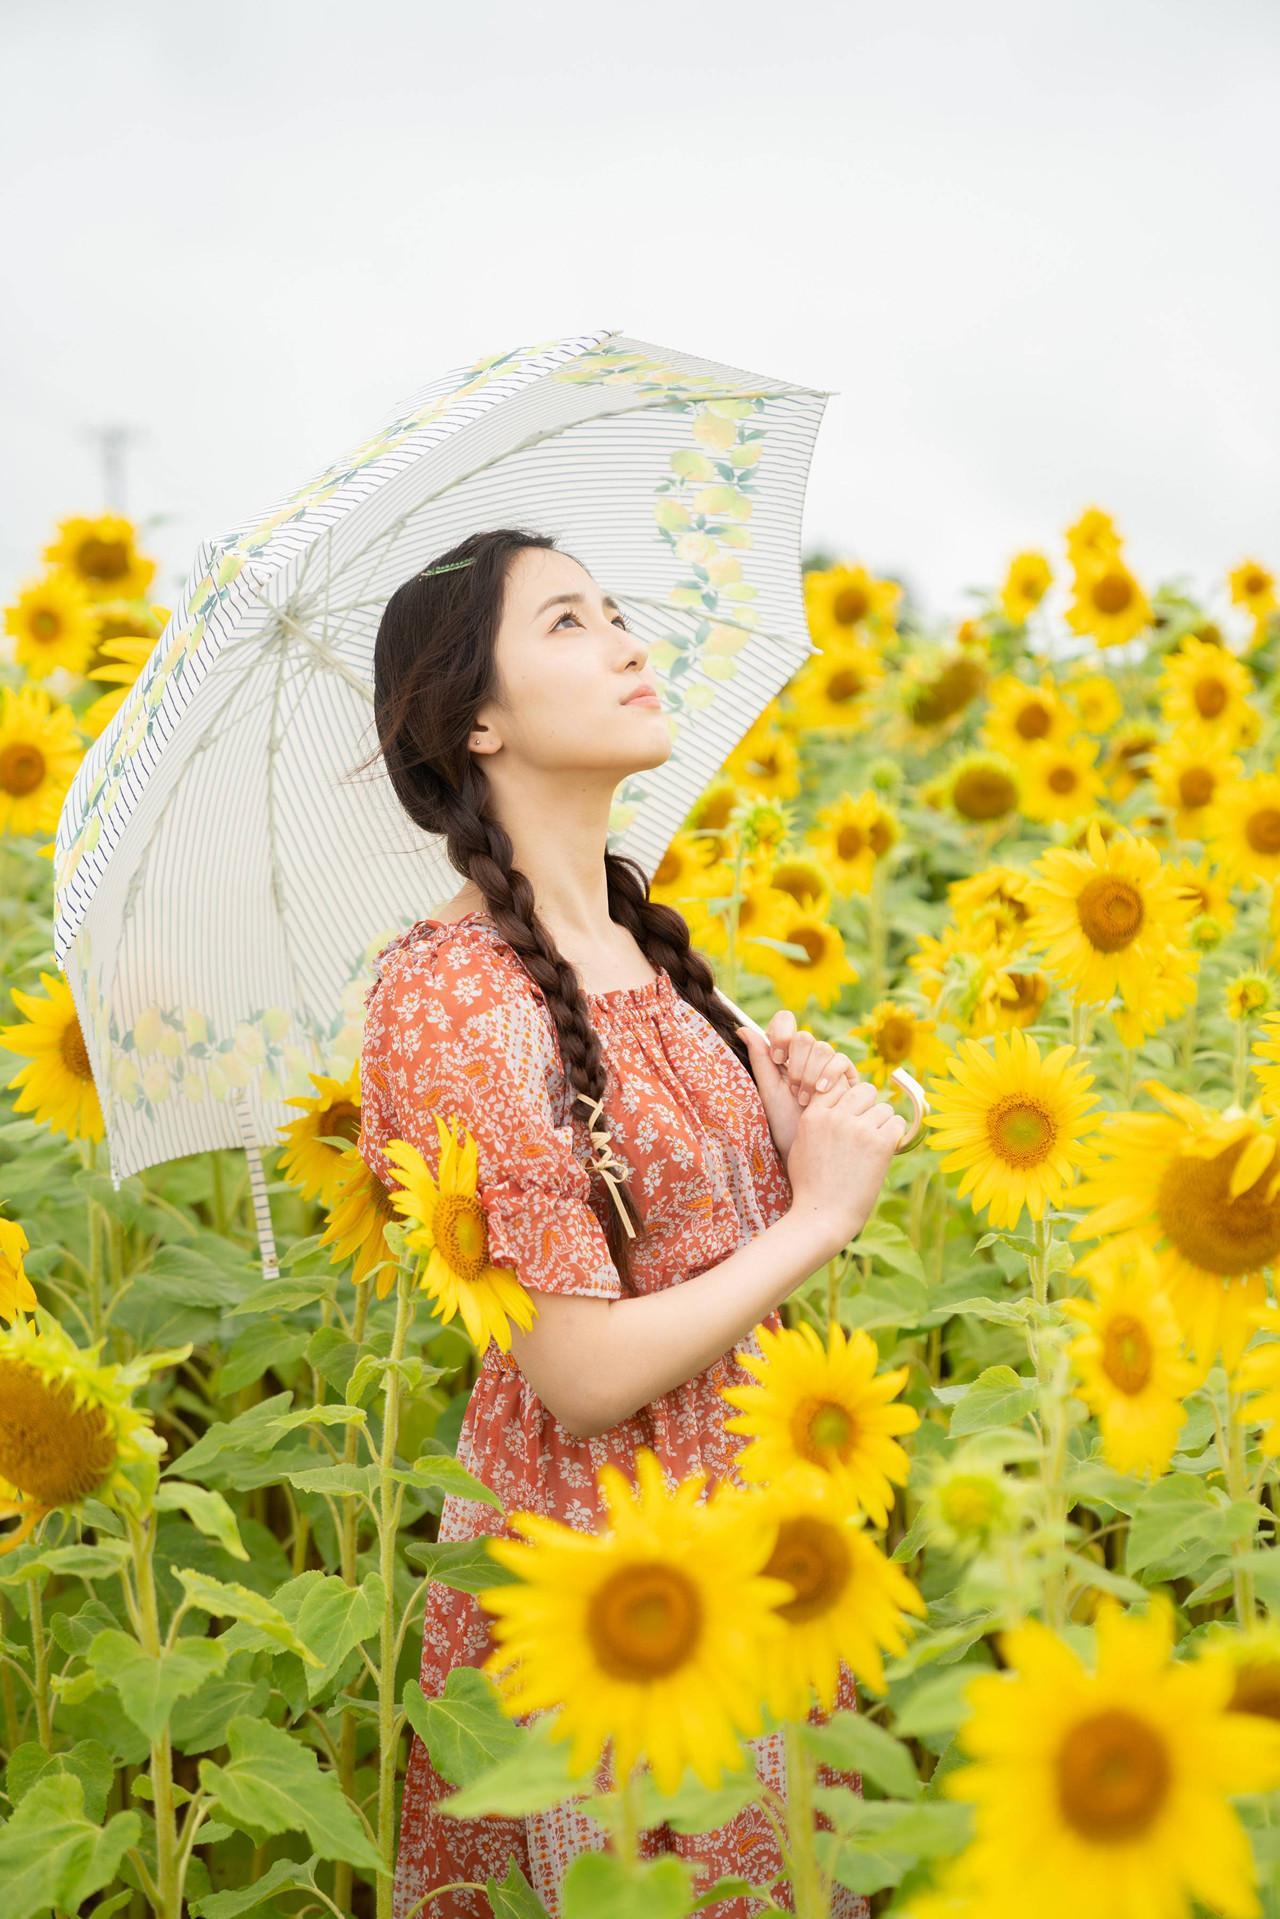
(647, 994)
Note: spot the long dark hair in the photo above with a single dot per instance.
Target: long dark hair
(434, 666)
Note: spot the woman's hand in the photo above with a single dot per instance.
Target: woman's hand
(788, 1063)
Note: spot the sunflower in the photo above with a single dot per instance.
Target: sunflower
(1204, 1192)
(896, 1035)
(845, 600)
(651, 1632)
(1103, 917)
(17, 1295)
(40, 752)
(851, 835)
(825, 1407)
(1187, 771)
(309, 1162)
(1249, 994)
(359, 1212)
(982, 787)
(1252, 1659)
(1129, 1358)
(1129, 754)
(991, 904)
(849, 1604)
(710, 814)
(1021, 714)
(58, 1086)
(1008, 998)
(1109, 604)
(1025, 585)
(1264, 1057)
(1013, 1122)
(833, 689)
(766, 761)
(821, 970)
(1094, 536)
(1060, 781)
(1242, 829)
(68, 1426)
(1208, 890)
(1251, 586)
(101, 554)
(969, 1501)
(1094, 700)
(803, 879)
(52, 623)
(1205, 695)
(121, 658)
(449, 1230)
(1109, 1790)
(937, 687)
(688, 869)
(1172, 985)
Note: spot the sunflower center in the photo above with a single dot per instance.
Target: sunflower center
(811, 943)
(1195, 786)
(102, 559)
(1021, 1130)
(893, 1040)
(341, 1121)
(22, 768)
(1257, 1689)
(812, 1555)
(1255, 583)
(1210, 698)
(823, 1431)
(1262, 830)
(1063, 779)
(1126, 1353)
(669, 869)
(461, 1234)
(1112, 593)
(1113, 1776)
(1110, 911)
(45, 624)
(845, 685)
(73, 1052)
(1210, 1229)
(1034, 720)
(880, 837)
(850, 841)
(983, 793)
(51, 1449)
(645, 1621)
(969, 1503)
(850, 605)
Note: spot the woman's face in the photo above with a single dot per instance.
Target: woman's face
(567, 664)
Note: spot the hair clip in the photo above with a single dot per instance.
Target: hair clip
(608, 1165)
(450, 566)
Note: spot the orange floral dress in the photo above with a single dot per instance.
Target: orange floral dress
(454, 1024)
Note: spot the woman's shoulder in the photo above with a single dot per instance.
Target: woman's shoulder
(459, 965)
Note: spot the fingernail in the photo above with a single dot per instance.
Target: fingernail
(804, 1099)
(821, 1086)
(778, 1055)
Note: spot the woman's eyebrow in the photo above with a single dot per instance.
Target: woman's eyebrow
(572, 599)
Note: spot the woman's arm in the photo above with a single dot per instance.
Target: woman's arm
(593, 1362)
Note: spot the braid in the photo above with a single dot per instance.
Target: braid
(663, 935)
(479, 846)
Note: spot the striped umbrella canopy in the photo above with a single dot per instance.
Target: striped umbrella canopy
(222, 882)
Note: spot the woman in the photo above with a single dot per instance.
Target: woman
(503, 684)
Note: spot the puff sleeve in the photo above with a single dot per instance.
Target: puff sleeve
(453, 1027)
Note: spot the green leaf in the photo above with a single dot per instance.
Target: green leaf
(76, 1562)
(465, 1564)
(850, 1742)
(602, 1882)
(333, 1618)
(148, 1687)
(337, 1480)
(229, 1600)
(1179, 1525)
(534, 1776)
(52, 1854)
(255, 1347)
(209, 1511)
(937, 1704)
(273, 1784)
(443, 1471)
(514, 1897)
(283, 1875)
(250, 1433)
(89, 1760)
(997, 1397)
(465, 1730)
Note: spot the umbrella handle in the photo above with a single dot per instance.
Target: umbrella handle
(907, 1081)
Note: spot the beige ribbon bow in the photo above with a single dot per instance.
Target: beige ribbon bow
(607, 1164)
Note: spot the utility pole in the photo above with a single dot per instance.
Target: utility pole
(111, 444)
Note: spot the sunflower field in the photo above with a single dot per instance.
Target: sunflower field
(1011, 1458)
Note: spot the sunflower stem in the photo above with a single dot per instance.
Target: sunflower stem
(628, 1828)
(1235, 1470)
(830, 1271)
(877, 935)
(168, 1901)
(1081, 1023)
(388, 1506)
(343, 1872)
(1240, 1061)
(95, 1262)
(735, 905)
(40, 1667)
(806, 1881)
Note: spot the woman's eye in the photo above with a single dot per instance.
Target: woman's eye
(618, 619)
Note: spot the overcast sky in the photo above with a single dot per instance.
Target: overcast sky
(1032, 248)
